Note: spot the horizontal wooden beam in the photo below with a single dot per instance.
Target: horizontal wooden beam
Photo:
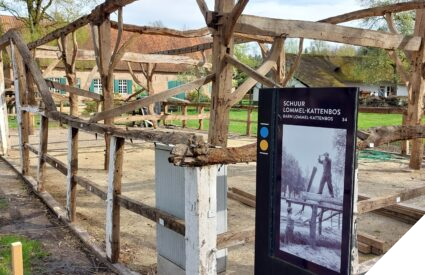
(151, 99)
(152, 213)
(164, 137)
(96, 16)
(162, 31)
(403, 212)
(381, 202)
(381, 135)
(182, 155)
(88, 55)
(376, 244)
(376, 11)
(91, 187)
(73, 90)
(160, 117)
(186, 50)
(54, 162)
(251, 72)
(231, 239)
(251, 24)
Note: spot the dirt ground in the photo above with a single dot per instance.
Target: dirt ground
(138, 240)
(24, 214)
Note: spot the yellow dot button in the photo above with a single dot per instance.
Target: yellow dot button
(264, 145)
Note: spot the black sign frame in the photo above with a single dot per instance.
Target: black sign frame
(269, 259)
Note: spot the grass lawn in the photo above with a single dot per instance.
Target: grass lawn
(13, 122)
(365, 121)
(31, 251)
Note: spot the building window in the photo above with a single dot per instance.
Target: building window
(97, 86)
(122, 86)
(55, 79)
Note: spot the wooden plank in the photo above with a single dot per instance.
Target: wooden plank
(186, 50)
(403, 212)
(375, 11)
(165, 137)
(364, 267)
(243, 193)
(374, 242)
(34, 70)
(201, 219)
(4, 123)
(151, 99)
(92, 187)
(41, 167)
(380, 202)
(202, 32)
(231, 239)
(251, 72)
(152, 213)
(73, 90)
(88, 55)
(364, 248)
(320, 198)
(113, 207)
(160, 117)
(242, 199)
(71, 182)
(17, 259)
(250, 24)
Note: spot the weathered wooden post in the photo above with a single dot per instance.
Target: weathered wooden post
(201, 219)
(17, 260)
(354, 248)
(416, 92)
(184, 113)
(165, 112)
(113, 207)
(175, 190)
(313, 225)
(71, 182)
(42, 151)
(4, 123)
(201, 121)
(248, 122)
(404, 143)
(21, 116)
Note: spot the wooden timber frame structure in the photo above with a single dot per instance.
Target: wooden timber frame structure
(200, 158)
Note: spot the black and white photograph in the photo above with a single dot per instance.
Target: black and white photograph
(311, 193)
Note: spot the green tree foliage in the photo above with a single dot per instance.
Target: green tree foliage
(245, 55)
(377, 66)
(42, 16)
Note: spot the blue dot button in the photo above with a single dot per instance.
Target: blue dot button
(264, 132)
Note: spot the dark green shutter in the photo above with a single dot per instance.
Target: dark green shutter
(116, 88)
(176, 83)
(129, 87)
(91, 89)
(62, 80)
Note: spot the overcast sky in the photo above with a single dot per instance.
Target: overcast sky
(185, 14)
